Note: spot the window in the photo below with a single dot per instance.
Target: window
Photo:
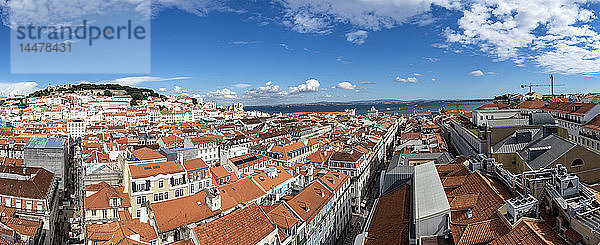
(7, 201)
(18, 203)
(138, 200)
(160, 184)
(29, 205)
(156, 197)
(166, 195)
(577, 163)
(93, 212)
(40, 206)
(138, 213)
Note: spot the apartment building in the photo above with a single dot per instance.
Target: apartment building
(152, 183)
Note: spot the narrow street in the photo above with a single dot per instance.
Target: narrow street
(358, 220)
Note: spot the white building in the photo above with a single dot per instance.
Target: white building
(431, 210)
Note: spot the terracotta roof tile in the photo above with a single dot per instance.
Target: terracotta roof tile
(245, 226)
(153, 169)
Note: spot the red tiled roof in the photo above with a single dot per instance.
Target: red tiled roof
(181, 211)
(101, 199)
(195, 163)
(241, 191)
(530, 232)
(310, 201)
(146, 153)
(391, 219)
(245, 226)
(114, 232)
(153, 169)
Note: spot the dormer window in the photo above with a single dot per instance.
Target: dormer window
(115, 202)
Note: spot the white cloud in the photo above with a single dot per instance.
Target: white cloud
(162, 90)
(345, 85)
(285, 46)
(241, 85)
(242, 42)
(131, 81)
(431, 59)
(177, 89)
(318, 16)
(44, 12)
(407, 80)
(20, 88)
(366, 82)
(270, 90)
(357, 37)
(307, 22)
(343, 60)
(222, 94)
(417, 74)
(476, 73)
(433, 80)
(311, 85)
(558, 35)
(327, 95)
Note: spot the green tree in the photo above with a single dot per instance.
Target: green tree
(108, 93)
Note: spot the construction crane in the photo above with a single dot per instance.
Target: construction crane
(551, 85)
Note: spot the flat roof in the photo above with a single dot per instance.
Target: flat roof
(45, 143)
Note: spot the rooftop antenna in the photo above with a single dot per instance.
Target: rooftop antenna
(552, 84)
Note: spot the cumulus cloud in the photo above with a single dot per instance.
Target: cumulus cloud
(345, 85)
(241, 85)
(177, 89)
(131, 81)
(476, 73)
(306, 22)
(357, 37)
(318, 16)
(268, 91)
(162, 90)
(557, 35)
(222, 94)
(407, 80)
(20, 88)
(311, 85)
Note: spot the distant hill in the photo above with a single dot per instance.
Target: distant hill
(91, 88)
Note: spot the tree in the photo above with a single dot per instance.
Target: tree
(108, 93)
(133, 103)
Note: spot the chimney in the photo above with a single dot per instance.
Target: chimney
(213, 199)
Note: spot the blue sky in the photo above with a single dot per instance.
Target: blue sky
(290, 51)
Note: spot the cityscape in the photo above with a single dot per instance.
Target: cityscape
(299, 122)
(91, 164)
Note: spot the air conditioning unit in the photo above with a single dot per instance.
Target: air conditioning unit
(566, 184)
(520, 207)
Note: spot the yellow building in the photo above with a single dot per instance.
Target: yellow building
(152, 183)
